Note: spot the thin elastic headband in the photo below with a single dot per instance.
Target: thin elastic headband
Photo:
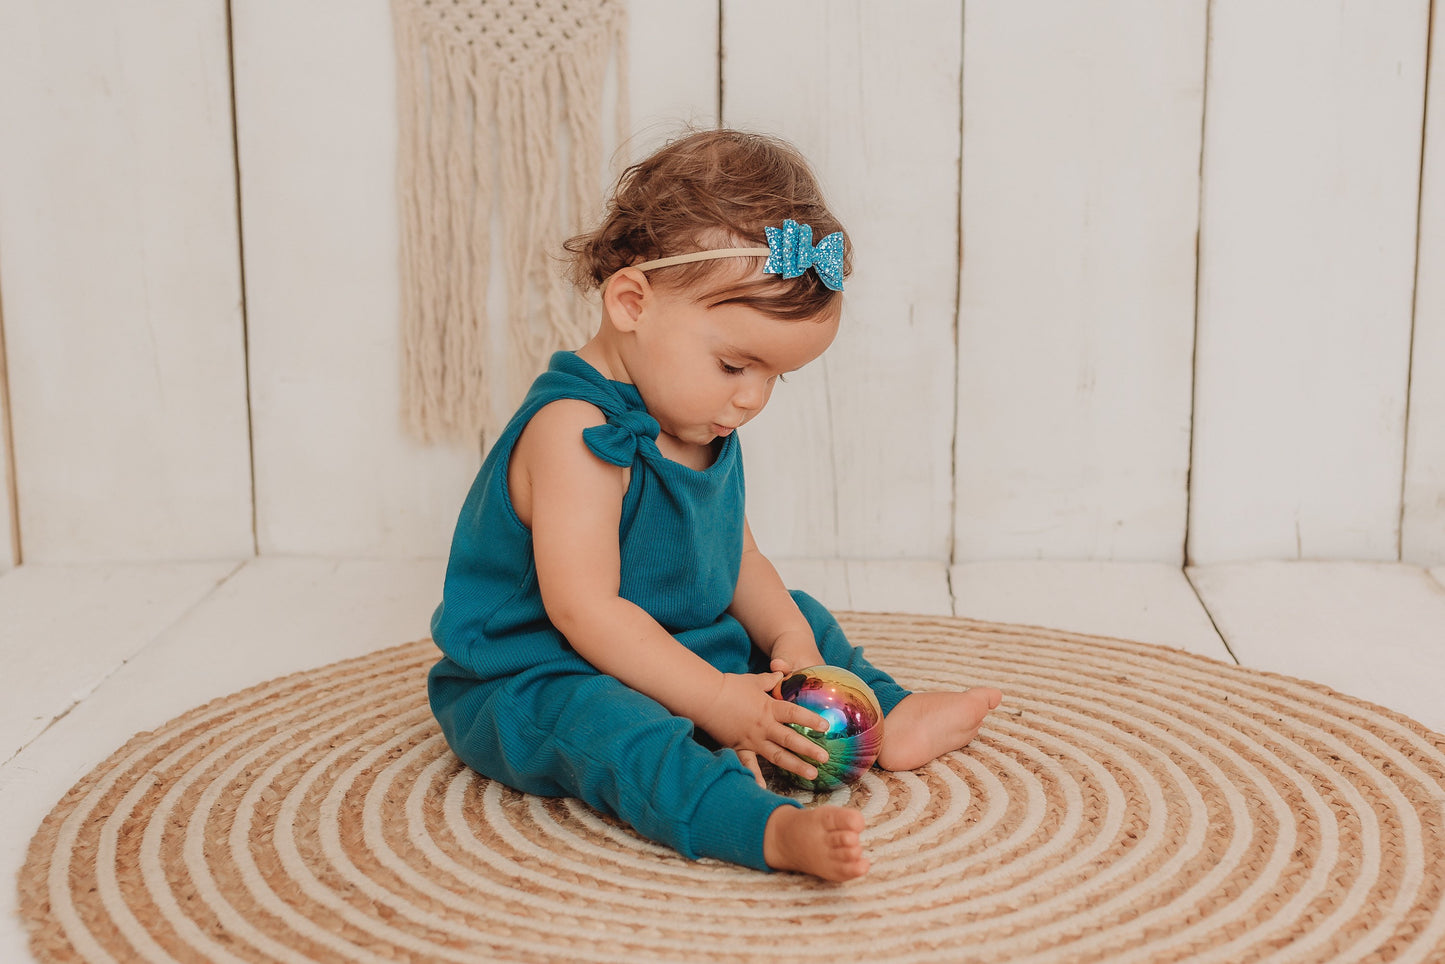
(703, 256)
(790, 252)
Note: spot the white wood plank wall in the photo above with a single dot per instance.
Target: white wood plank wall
(1422, 535)
(1306, 274)
(316, 124)
(1026, 369)
(853, 457)
(1076, 321)
(120, 277)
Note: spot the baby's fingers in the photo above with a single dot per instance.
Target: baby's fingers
(799, 745)
(790, 761)
(750, 760)
(785, 712)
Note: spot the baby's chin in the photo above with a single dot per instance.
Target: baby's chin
(697, 438)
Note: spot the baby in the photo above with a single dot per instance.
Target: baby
(611, 631)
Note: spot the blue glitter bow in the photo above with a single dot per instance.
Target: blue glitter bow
(791, 252)
(619, 440)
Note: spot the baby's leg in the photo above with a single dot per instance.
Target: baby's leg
(837, 651)
(924, 726)
(591, 737)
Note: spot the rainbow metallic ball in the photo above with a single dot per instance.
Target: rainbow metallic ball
(855, 722)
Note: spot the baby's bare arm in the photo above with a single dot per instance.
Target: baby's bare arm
(574, 506)
(763, 605)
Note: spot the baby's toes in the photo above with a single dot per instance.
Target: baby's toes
(978, 702)
(843, 820)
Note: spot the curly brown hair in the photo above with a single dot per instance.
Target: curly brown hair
(712, 189)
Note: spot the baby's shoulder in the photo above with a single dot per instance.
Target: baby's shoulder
(569, 416)
(556, 430)
(550, 455)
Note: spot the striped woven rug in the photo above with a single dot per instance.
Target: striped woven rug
(1127, 803)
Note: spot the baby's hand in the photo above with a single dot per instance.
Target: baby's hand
(794, 654)
(743, 716)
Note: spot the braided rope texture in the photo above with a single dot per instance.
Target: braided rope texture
(1128, 803)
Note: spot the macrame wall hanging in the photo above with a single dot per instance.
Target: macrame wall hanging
(500, 109)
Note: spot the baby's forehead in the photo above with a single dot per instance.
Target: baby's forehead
(744, 333)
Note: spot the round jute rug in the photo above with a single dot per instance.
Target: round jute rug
(1127, 803)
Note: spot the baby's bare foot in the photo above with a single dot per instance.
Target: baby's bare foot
(823, 841)
(924, 726)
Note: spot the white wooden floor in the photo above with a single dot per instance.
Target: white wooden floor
(89, 656)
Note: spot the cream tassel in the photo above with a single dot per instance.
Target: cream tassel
(527, 77)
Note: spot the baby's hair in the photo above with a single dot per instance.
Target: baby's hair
(712, 189)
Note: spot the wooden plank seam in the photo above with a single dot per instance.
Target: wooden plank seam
(7, 449)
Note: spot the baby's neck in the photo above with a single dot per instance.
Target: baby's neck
(605, 358)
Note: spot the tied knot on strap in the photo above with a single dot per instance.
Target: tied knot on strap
(617, 441)
(791, 252)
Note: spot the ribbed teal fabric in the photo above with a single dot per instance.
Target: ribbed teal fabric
(518, 704)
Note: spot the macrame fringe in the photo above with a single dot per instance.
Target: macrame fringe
(469, 103)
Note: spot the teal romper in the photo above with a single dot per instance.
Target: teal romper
(518, 704)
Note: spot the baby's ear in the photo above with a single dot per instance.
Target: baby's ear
(624, 296)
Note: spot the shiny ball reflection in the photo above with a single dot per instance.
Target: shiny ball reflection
(854, 716)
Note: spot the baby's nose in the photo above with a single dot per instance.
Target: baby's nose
(751, 397)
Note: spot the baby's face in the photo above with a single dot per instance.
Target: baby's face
(703, 371)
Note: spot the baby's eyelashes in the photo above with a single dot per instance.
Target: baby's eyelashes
(739, 369)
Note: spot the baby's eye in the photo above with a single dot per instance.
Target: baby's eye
(730, 369)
